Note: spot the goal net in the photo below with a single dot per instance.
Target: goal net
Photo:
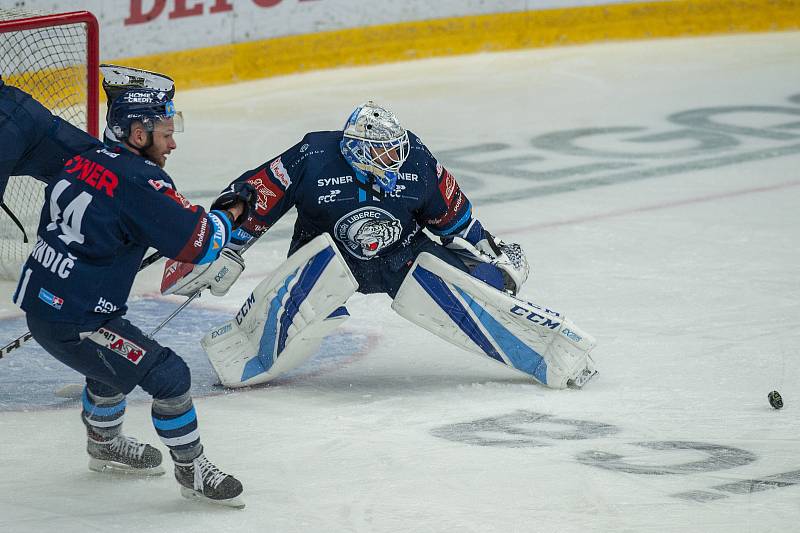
(54, 57)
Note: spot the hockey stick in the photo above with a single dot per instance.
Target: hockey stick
(11, 214)
(22, 339)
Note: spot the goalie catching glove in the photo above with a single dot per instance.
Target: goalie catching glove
(475, 245)
(185, 279)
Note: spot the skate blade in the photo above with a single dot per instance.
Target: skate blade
(189, 494)
(110, 467)
(581, 379)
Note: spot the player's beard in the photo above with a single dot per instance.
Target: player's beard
(153, 155)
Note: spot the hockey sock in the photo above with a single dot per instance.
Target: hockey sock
(103, 415)
(175, 421)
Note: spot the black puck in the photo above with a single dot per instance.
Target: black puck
(775, 399)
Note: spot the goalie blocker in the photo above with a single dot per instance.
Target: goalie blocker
(475, 316)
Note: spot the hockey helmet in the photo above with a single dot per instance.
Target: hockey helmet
(375, 142)
(144, 105)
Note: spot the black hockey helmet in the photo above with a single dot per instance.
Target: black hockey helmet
(147, 106)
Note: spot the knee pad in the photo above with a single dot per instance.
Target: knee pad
(169, 378)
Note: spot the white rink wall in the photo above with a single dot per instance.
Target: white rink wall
(141, 27)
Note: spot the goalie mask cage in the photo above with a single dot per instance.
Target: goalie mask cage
(54, 57)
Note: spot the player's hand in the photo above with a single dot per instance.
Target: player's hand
(238, 199)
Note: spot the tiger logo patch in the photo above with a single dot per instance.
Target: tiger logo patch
(366, 231)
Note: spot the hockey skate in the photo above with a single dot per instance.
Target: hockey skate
(124, 455)
(201, 480)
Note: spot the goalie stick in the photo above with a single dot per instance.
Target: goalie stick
(25, 337)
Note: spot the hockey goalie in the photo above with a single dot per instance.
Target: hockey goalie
(364, 195)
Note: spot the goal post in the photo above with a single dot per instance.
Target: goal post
(55, 58)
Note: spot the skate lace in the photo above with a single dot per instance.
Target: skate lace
(205, 471)
(127, 446)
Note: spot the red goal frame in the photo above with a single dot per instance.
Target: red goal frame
(92, 54)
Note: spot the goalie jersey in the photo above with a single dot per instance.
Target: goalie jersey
(331, 196)
(100, 215)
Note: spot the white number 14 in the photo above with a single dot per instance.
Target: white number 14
(72, 217)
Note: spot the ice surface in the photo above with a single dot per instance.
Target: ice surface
(655, 188)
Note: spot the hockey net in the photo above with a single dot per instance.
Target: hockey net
(54, 57)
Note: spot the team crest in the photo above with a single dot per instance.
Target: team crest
(366, 231)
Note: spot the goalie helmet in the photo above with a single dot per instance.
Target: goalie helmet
(375, 142)
(147, 106)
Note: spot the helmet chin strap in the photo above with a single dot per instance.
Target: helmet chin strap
(143, 149)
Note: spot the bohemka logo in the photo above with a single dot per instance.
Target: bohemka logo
(201, 234)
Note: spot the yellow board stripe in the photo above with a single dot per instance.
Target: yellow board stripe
(464, 35)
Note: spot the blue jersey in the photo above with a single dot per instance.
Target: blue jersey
(35, 142)
(100, 215)
(330, 196)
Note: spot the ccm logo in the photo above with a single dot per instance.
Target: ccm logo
(245, 309)
(534, 317)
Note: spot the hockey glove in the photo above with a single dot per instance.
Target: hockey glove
(239, 191)
(185, 279)
(507, 257)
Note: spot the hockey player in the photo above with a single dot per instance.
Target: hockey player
(373, 187)
(101, 214)
(37, 143)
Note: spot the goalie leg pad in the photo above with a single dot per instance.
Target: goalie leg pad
(477, 317)
(286, 317)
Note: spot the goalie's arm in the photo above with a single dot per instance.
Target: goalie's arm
(275, 183)
(271, 190)
(474, 245)
(447, 213)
